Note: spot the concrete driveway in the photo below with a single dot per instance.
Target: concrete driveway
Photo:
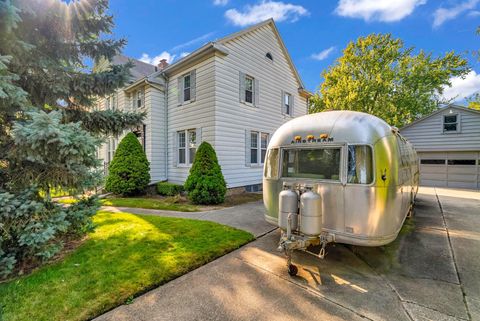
(431, 272)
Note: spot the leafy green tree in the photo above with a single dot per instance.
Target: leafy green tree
(379, 76)
(205, 183)
(49, 130)
(129, 171)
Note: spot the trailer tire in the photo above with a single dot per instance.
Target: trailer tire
(292, 270)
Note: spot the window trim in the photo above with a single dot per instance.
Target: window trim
(457, 123)
(259, 148)
(187, 147)
(252, 90)
(184, 77)
(285, 93)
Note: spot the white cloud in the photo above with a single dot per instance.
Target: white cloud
(155, 60)
(462, 88)
(184, 54)
(379, 10)
(220, 2)
(474, 13)
(323, 54)
(279, 11)
(444, 14)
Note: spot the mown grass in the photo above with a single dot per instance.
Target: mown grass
(125, 256)
(173, 203)
(166, 204)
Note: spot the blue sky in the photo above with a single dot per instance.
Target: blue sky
(315, 32)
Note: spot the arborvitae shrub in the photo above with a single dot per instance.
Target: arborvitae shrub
(129, 171)
(205, 184)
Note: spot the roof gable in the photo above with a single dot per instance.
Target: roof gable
(440, 110)
(270, 22)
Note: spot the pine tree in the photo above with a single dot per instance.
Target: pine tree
(129, 171)
(49, 131)
(43, 50)
(205, 183)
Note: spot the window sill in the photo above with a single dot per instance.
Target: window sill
(451, 132)
(249, 104)
(187, 102)
(183, 165)
(255, 166)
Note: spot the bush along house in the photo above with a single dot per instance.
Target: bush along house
(233, 92)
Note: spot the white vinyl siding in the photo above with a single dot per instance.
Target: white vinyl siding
(197, 114)
(246, 56)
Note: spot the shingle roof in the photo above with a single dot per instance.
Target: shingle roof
(140, 70)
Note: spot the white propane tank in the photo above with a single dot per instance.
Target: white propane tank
(288, 203)
(311, 214)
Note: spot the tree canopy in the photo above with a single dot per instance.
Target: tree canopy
(379, 76)
(48, 128)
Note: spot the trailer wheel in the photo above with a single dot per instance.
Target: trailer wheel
(292, 270)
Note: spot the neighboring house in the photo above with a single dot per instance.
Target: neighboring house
(233, 92)
(448, 145)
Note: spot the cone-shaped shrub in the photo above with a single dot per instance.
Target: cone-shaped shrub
(205, 184)
(129, 171)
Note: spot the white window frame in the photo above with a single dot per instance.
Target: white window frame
(112, 146)
(288, 110)
(187, 146)
(457, 123)
(252, 79)
(258, 147)
(189, 88)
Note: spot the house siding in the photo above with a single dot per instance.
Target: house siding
(427, 134)
(197, 114)
(233, 118)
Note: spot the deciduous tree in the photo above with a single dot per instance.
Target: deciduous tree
(379, 76)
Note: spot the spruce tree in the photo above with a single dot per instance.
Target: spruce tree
(49, 130)
(205, 183)
(129, 171)
(46, 85)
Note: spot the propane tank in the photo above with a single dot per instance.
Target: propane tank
(288, 203)
(311, 214)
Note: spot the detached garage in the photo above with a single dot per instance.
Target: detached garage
(448, 146)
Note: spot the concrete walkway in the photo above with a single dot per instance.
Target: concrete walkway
(432, 272)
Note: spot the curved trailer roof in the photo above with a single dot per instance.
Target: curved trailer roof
(340, 126)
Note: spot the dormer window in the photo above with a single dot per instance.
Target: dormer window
(450, 123)
(269, 56)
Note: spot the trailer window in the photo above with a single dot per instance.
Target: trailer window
(359, 164)
(271, 164)
(312, 163)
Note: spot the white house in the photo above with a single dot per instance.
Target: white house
(448, 145)
(233, 92)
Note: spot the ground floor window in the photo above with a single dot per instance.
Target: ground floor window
(257, 143)
(186, 146)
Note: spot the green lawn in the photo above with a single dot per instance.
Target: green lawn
(166, 204)
(126, 255)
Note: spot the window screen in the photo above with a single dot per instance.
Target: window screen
(360, 167)
(312, 163)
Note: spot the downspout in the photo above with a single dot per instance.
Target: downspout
(167, 148)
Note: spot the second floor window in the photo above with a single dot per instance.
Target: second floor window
(138, 98)
(186, 88)
(450, 123)
(287, 103)
(249, 89)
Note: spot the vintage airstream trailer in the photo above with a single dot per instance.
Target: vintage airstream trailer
(338, 176)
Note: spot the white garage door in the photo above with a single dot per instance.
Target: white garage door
(450, 169)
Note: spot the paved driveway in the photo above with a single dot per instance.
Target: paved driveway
(431, 272)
